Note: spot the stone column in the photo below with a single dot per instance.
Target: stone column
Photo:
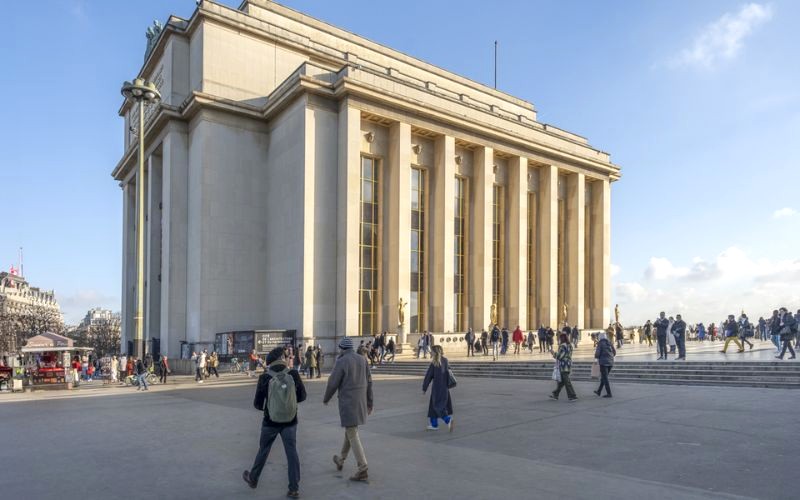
(398, 220)
(128, 263)
(517, 248)
(480, 273)
(548, 245)
(601, 253)
(576, 227)
(349, 165)
(174, 240)
(442, 271)
(152, 274)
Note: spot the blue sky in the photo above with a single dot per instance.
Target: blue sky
(699, 102)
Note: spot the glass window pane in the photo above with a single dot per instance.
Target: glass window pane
(415, 220)
(366, 168)
(366, 191)
(414, 241)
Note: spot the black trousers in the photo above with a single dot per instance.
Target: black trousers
(662, 346)
(787, 344)
(289, 437)
(604, 372)
(470, 348)
(213, 369)
(163, 377)
(485, 347)
(311, 371)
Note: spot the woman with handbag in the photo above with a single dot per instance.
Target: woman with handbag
(564, 366)
(604, 354)
(440, 405)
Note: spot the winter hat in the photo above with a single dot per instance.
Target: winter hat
(346, 343)
(275, 355)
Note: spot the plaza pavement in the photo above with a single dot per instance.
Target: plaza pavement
(192, 441)
(695, 351)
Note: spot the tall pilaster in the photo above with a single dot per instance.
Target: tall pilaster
(349, 165)
(548, 245)
(152, 252)
(576, 227)
(175, 216)
(481, 254)
(398, 221)
(517, 248)
(128, 326)
(442, 266)
(601, 253)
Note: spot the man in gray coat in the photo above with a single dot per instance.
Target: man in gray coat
(352, 379)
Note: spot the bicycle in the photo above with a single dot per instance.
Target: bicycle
(133, 380)
(236, 366)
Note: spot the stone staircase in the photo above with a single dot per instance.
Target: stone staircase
(785, 375)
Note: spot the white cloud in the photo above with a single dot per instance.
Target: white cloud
(723, 39)
(709, 289)
(615, 270)
(75, 306)
(660, 268)
(784, 212)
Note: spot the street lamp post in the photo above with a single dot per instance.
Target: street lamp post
(140, 92)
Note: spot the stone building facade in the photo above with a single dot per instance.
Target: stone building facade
(301, 177)
(18, 297)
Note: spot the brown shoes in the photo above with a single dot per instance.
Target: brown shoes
(339, 462)
(360, 476)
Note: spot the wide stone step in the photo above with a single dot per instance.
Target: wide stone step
(720, 374)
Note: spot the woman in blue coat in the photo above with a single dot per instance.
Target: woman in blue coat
(440, 406)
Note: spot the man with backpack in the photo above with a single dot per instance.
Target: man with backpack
(494, 337)
(278, 392)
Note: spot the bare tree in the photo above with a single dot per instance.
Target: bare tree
(28, 321)
(104, 336)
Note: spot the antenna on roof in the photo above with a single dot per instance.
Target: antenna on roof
(495, 64)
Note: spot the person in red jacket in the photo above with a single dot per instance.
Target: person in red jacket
(517, 338)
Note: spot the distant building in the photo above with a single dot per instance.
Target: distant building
(17, 296)
(98, 316)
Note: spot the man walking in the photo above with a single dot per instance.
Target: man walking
(648, 333)
(731, 329)
(164, 366)
(542, 333)
(352, 380)
(787, 329)
(745, 331)
(141, 374)
(470, 340)
(531, 341)
(495, 338)
(679, 331)
(485, 342)
(281, 389)
(661, 324)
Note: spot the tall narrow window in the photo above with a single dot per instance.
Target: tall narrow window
(460, 249)
(533, 227)
(368, 248)
(498, 283)
(417, 302)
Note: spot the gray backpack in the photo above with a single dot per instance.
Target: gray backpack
(282, 397)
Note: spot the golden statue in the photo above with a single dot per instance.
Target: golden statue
(564, 311)
(616, 313)
(401, 316)
(493, 314)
